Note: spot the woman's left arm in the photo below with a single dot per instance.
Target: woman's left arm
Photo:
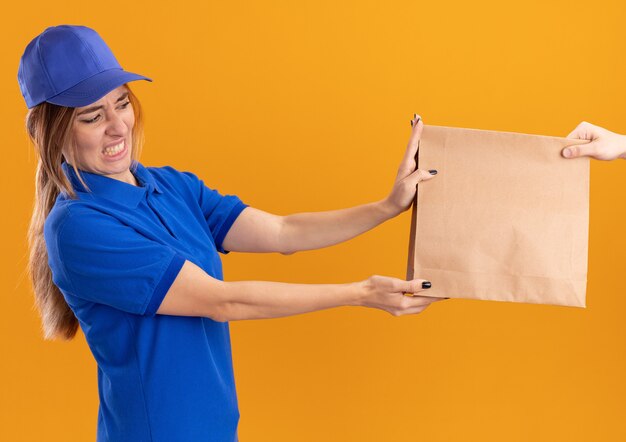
(258, 231)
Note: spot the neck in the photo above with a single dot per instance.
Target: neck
(126, 177)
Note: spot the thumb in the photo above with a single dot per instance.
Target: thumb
(421, 175)
(583, 150)
(414, 285)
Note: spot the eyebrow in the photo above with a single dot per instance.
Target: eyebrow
(95, 108)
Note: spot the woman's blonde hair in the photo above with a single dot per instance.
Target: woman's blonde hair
(49, 127)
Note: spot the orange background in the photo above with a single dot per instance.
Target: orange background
(305, 106)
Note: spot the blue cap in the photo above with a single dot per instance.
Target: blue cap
(69, 66)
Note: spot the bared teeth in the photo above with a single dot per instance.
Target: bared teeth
(114, 150)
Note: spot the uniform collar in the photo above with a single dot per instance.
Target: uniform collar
(112, 189)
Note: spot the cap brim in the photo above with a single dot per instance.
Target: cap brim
(94, 88)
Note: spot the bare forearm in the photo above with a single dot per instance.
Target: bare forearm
(314, 230)
(195, 293)
(267, 299)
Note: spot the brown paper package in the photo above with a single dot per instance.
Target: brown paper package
(505, 219)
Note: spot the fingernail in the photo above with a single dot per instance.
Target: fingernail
(432, 172)
(414, 115)
(567, 153)
(426, 284)
(411, 123)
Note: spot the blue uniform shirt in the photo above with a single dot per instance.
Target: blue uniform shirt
(114, 253)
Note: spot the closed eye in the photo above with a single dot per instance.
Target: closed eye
(97, 117)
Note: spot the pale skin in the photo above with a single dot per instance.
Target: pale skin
(604, 144)
(195, 293)
(106, 122)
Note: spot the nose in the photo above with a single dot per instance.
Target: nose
(116, 126)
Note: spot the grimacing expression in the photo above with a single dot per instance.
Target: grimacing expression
(102, 133)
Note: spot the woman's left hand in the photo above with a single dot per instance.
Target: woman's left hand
(408, 177)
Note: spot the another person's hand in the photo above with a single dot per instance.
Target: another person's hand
(604, 145)
(395, 296)
(408, 177)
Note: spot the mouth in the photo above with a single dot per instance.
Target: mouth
(115, 152)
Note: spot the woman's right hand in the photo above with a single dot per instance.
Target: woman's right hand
(395, 296)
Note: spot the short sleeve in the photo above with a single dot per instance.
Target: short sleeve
(220, 211)
(95, 257)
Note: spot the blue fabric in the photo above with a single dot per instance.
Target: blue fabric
(114, 253)
(69, 65)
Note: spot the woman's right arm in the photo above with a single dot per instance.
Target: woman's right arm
(195, 293)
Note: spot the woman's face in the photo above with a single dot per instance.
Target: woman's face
(102, 132)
